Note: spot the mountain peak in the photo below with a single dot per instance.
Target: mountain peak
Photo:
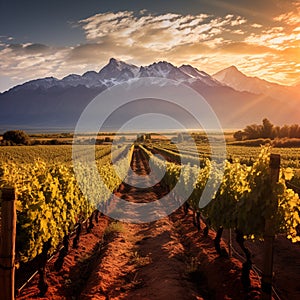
(192, 71)
(117, 62)
(161, 64)
(198, 75)
(113, 60)
(115, 67)
(230, 70)
(228, 74)
(163, 69)
(237, 80)
(233, 67)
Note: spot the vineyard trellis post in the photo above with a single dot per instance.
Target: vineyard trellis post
(7, 245)
(270, 233)
(230, 242)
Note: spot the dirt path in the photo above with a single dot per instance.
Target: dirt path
(144, 261)
(166, 259)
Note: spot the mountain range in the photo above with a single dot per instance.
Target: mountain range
(238, 100)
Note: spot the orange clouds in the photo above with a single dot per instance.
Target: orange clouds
(208, 42)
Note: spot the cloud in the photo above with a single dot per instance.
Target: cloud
(22, 61)
(144, 38)
(284, 70)
(292, 17)
(158, 32)
(238, 31)
(206, 41)
(276, 40)
(255, 25)
(278, 46)
(284, 35)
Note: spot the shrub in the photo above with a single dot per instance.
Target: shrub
(251, 143)
(17, 137)
(112, 228)
(286, 143)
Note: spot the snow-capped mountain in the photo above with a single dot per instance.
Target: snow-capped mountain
(196, 74)
(43, 83)
(163, 69)
(88, 79)
(118, 71)
(236, 98)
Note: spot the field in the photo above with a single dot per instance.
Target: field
(51, 154)
(290, 157)
(157, 260)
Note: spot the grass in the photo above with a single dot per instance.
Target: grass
(113, 228)
(140, 261)
(193, 266)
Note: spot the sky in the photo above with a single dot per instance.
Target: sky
(56, 38)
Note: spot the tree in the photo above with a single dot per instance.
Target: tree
(238, 135)
(267, 129)
(284, 131)
(276, 131)
(294, 131)
(253, 131)
(18, 137)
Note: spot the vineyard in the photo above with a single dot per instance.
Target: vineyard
(49, 154)
(245, 194)
(252, 199)
(290, 157)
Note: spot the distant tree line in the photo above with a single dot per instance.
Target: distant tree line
(15, 137)
(267, 130)
(20, 137)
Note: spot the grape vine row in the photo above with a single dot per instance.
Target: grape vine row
(243, 200)
(50, 202)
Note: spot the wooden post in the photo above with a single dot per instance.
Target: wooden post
(7, 246)
(230, 243)
(266, 284)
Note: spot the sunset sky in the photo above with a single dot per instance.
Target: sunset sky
(56, 38)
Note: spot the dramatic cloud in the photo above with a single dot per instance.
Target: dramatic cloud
(20, 60)
(208, 42)
(160, 32)
(292, 17)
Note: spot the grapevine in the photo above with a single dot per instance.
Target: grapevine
(50, 201)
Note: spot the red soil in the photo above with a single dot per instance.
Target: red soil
(61, 284)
